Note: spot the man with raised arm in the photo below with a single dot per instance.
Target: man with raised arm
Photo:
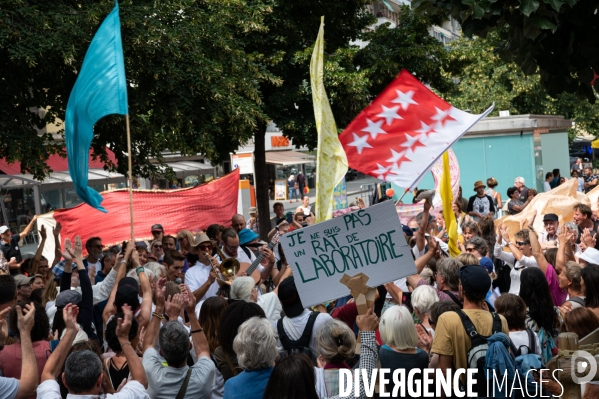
(83, 375)
(11, 388)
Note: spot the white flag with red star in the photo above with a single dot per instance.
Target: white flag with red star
(403, 132)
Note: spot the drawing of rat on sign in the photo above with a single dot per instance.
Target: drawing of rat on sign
(369, 241)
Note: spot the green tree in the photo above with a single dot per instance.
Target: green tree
(353, 76)
(192, 87)
(484, 78)
(557, 38)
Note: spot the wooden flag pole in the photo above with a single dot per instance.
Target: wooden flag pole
(130, 178)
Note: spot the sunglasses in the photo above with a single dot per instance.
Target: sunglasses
(157, 246)
(204, 247)
(232, 249)
(522, 243)
(470, 249)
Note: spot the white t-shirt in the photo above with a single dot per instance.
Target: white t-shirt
(300, 322)
(97, 265)
(50, 389)
(516, 266)
(520, 338)
(306, 210)
(242, 257)
(271, 305)
(546, 186)
(197, 275)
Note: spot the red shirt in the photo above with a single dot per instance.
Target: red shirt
(11, 359)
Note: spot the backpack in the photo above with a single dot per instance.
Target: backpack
(577, 300)
(525, 362)
(453, 298)
(476, 356)
(302, 345)
(547, 343)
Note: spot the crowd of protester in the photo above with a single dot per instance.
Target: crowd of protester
(163, 319)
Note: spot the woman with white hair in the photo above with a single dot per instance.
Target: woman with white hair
(399, 351)
(244, 288)
(423, 299)
(256, 349)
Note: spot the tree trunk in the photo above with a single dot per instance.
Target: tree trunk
(261, 183)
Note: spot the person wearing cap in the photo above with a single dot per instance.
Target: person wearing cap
(297, 318)
(480, 204)
(249, 240)
(9, 245)
(519, 257)
(23, 287)
(548, 239)
(157, 232)
(238, 222)
(232, 248)
(451, 341)
(201, 278)
(252, 222)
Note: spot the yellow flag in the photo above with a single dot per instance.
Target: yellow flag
(331, 161)
(451, 225)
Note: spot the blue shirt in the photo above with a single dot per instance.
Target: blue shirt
(248, 384)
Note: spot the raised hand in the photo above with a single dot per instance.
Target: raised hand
(3, 325)
(173, 306)
(78, 248)
(425, 340)
(69, 315)
(190, 301)
(68, 250)
(25, 322)
(56, 230)
(123, 325)
(368, 321)
(43, 232)
(159, 289)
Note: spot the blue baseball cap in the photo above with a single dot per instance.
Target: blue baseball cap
(246, 236)
(487, 264)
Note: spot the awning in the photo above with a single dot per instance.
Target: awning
(58, 180)
(288, 158)
(56, 163)
(388, 5)
(190, 168)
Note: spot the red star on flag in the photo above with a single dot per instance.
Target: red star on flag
(400, 135)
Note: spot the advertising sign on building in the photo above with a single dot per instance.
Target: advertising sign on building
(245, 163)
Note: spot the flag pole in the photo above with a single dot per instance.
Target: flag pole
(403, 195)
(130, 178)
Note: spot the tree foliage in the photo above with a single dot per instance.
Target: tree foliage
(556, 38)
(484, 78)
(192, 87)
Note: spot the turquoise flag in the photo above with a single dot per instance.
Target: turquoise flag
(100, 90)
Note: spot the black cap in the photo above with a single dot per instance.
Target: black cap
(550, 217)
(157, 227)
(66, 297)
(290, 300)
(128, 281)
(475, 279)
(127, 294)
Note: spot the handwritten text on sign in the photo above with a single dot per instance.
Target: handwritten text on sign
(370, 241)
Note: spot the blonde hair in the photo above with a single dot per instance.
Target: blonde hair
(467, 259)
(186, 234)
(50, 292)
(335, 342)
(397, 328)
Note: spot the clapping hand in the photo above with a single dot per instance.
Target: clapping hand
(43, 232)
(123, 325)
(69, 315)
(424, 338)
(173, 306)
(56, 229)
(368, 321)
(159, 289)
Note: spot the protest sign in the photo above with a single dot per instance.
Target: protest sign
(368, 241)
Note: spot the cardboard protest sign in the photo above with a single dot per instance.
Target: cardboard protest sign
(368, 241)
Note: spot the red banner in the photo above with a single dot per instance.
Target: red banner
(189, 208)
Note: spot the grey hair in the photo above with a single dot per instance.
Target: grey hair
(256, 344)
(82, 370)
(423, 298)
(133, 273)
(156, 268)
(173, 339)
(479, 244)
(242, 288)
(519, 179)
(573, 227)
(447, 268)
(335, 341)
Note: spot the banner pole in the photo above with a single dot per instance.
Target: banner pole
(130, 178)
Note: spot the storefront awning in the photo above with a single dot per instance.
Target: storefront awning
(56, 163)
(288, 158)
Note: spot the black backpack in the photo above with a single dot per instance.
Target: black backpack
(302, 345)
(477, 355)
